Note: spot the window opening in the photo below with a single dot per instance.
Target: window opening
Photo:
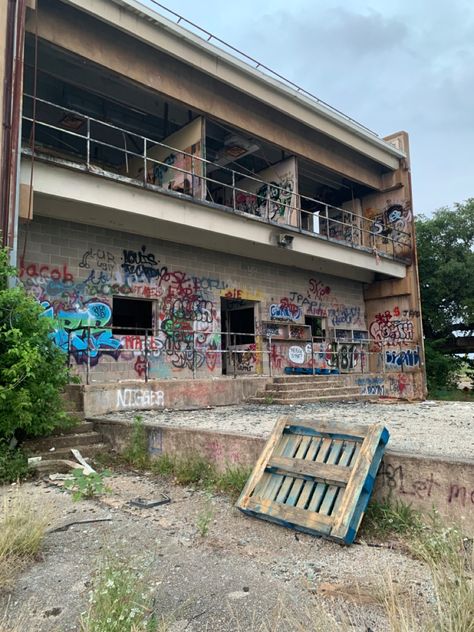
(316, 325)
(132, 317)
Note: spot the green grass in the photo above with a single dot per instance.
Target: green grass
(22, 530)
(386, 518)
(201, 473)
(120, 601)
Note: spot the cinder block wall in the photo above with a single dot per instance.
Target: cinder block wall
(74, 270)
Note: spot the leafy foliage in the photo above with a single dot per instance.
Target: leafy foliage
(445, 245)
(84, 486)
(13, 464)
(136, 453)
(32, 369)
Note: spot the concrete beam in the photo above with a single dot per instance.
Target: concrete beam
(81, 197)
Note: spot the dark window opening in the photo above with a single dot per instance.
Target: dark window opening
(132, 317)
(316, 325)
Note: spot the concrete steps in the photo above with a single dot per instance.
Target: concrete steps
(82, 437)
(307, 389)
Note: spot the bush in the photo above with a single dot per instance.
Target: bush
(441, 369)
(33, 370)
(13, 464)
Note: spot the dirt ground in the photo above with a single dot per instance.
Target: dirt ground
(243, 572)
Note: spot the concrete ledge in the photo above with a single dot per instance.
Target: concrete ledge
(423, 481)
(183, 394)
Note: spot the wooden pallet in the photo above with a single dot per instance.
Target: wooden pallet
(316, 476)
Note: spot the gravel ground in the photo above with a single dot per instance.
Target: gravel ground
(430, 427)
(233, 579)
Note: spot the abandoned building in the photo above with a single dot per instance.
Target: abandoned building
(185, 213)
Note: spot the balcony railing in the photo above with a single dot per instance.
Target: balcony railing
(89, 144)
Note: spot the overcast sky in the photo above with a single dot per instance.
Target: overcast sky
(404, 64)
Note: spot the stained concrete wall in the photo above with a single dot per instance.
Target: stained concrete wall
(74, 270)
(424, 482)
(169, 394)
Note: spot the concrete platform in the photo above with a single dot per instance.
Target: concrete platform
(425, 481)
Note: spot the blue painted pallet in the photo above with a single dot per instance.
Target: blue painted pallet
(316, 476)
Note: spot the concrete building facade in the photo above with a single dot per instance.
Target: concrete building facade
(182, 214)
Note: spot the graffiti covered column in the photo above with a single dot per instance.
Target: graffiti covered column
(393, 306)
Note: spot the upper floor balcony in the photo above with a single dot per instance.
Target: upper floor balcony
(246, 178)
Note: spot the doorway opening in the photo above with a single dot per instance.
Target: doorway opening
(238, 327)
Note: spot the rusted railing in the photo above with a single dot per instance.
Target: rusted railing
(75, 142)
(263, 356)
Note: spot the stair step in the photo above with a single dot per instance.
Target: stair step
(295, 379)
(312, 392)
(306, 384)
(87, 451)
(62, 441)
(311, 400)
(310, 388)
(79, 428)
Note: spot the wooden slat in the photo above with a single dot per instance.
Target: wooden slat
(292, 515)
(356, 481)
(289, 480)
(333, 490)
(340, 496)
(298, 485)
(263, 459)
(321, 488)
(323, 472)
(353, 431)
(325, 446)
(288, 447)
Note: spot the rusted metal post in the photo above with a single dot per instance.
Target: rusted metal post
(88, 366)
(233, 361)
(270, 356)
(233, 190)
(192, 175)
(194, 356)
(88, 143)
(146, 356)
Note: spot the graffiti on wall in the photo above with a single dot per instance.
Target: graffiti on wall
(393, 224)
(407, 358)
(371, 385)
(391, 329)
(285, 310)
(83, 332)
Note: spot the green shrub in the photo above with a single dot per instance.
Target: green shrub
(13, 464)
(33, 370)
(84, 486)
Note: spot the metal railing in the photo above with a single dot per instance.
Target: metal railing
(236, 191)
(191, 350)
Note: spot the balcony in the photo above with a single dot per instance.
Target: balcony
(68, 138)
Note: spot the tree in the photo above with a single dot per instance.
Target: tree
(446, 266)
(32, 369)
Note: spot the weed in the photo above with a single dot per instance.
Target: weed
(163, 465)
(200, 472)
(204, 518)
(85, 486)
(232, 480)
(136, 454)
(384, 518)
(22, 530)
(13, 464)
(120, 602)
(269, 399)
